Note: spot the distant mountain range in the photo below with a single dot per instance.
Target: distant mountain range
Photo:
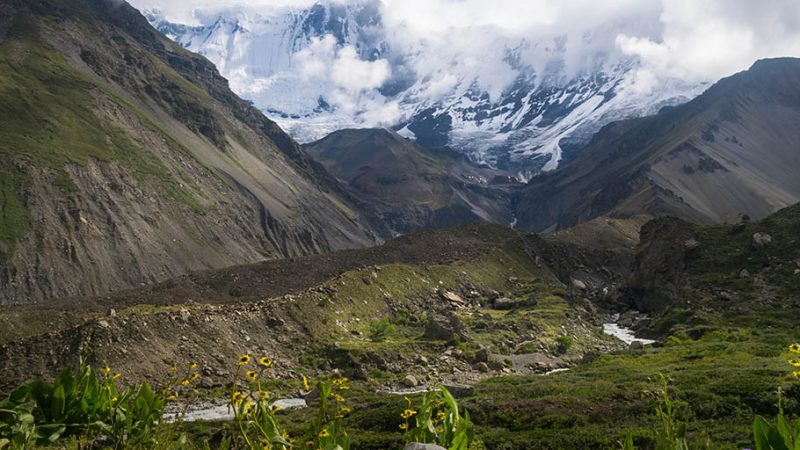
(543, 109)
(733, 151)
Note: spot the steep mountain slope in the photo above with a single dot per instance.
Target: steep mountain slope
(734, 150)
(125, 159)
(410, 186)
(522, 107)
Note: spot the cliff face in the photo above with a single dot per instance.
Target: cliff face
(126, 160)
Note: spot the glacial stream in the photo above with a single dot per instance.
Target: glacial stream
(222, 412)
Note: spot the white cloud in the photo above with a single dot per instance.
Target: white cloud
(456, 43)
(704, 40)
(354, 75)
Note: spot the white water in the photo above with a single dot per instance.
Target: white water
(624, 334)
(223, 412)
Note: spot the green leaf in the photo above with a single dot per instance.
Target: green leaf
(57, 403)
(761, 433)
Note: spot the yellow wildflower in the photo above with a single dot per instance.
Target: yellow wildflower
(106, 370)
(244, 359)
(116, 376)
(266, 444)
(794, 362)
(193, 366)
(263, 395)
(171, 397)
(339, 398)
(195, 377)
(403, 426)
(306, 386)
(345, 409)
(796, 374)
(324, 433)
(407, 413)
(795, 348)
(264, 361)
(440, 416)
(251, 375)
(185, 383)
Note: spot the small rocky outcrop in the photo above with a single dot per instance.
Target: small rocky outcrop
(445, 328)
(761, 240)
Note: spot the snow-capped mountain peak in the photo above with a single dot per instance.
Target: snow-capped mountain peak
(510, 101)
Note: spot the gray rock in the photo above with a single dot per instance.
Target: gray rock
(504, 303)
(761, 239)
(744, 273)
(418, 446)
(460, 390)
(492, 294)
(410, 381)
(578, 284)
(636, 345)
(482, 355)
(482, 367)
(691, 244)
(452, 297)
(103, 324)
(449, 328)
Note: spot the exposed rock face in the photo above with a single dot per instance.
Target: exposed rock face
(150, 166)
(657, 276)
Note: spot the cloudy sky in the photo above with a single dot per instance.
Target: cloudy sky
(460, 41)
(703, 39)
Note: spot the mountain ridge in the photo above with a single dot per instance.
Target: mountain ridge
(730, 151)
(128, 160)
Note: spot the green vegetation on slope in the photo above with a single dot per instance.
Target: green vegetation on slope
(49, 120)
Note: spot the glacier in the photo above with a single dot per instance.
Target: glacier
(519, 103)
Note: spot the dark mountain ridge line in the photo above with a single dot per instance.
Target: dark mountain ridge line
(673, 163)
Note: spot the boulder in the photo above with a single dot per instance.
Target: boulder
(504, 303)
(761, 239)
(460, 390)
(579, 285)
(636, 345)
(410, 381)
(445, 328)
(482, 367)
(482, 355)
(744, 273)
(452, 297)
